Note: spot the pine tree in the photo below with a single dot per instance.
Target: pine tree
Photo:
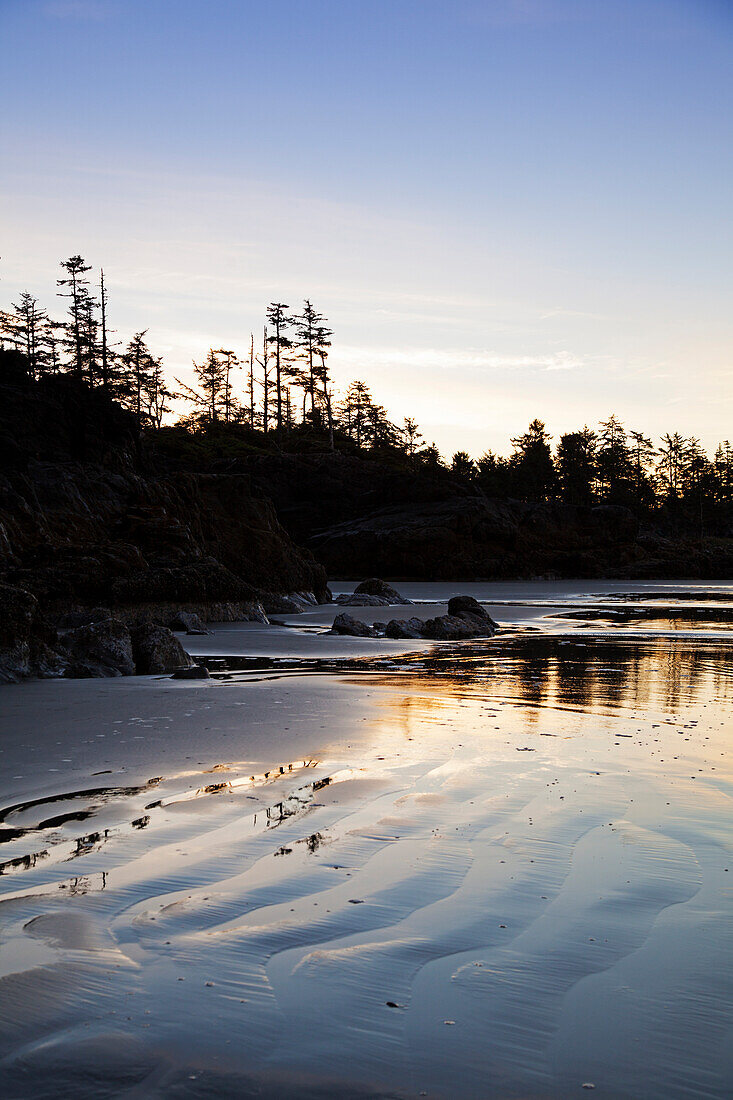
(281, 321)
(77, 291)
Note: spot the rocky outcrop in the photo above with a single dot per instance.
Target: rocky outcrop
(346, 624)
(193, 672)
(188, 622)
(99, 649)
(17, 612)
(466, 618)
(156, 649)
(294, 603)
(470, 537)
(375, 587)
(354, 599)
(371, 593)
(403, 628)
(89, 518)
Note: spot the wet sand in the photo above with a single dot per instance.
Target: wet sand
(498, 869)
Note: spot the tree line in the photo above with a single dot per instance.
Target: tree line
(281, 388)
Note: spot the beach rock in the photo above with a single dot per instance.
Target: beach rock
(187, 621)
(17, 612)
(73, 619)
(294, 603)
(191, 672)
(375, 587)
(404, 628)
(345, 624)
(156, 649)
(452, 628)
(99, 649)
(360, 600)
(466, 607)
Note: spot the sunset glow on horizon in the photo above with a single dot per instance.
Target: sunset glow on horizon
(506, 210)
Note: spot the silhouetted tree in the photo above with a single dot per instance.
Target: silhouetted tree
(307, 325)
(532, 466)
(281, 321)
(411, 436)
(77, 291)
(463, 466)
(576, 466)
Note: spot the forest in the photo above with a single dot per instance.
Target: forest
(278, 395)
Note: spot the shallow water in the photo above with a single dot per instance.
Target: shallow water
(501, 868)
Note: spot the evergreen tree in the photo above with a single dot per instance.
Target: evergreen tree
(280, 321)
(532, 466)
(76, 288)
(576, 466)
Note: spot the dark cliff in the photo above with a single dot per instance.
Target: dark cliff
(89, 516)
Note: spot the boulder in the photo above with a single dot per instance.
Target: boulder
(192, 672)
(187, 621)
(292, 604)
(376, 587)
(466, 607)
(99, 649)
(451, 628)
(361, 600)
(346, 624)
(404, 628)
(156, 649)
(17, 611)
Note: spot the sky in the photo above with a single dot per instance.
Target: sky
(507, 209)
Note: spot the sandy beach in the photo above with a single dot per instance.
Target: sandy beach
(499, 868)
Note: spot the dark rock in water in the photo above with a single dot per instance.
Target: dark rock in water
(346, 624)
(469, 609)
(467, 605)
(187, 621)
(100, 649)
(404, 628)
(375, 587)
(361, 600)
(156, 649)
(193, 672)
(292, 604)
(453, 628)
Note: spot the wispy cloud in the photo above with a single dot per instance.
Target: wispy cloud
(437, 359)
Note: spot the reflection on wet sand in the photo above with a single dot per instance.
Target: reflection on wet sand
(500, 890)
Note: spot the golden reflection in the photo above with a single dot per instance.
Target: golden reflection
(601, 675)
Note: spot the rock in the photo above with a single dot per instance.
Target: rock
(345, 624)
(92, 514)
(363, 600)
(72, 619)
(156, 649)
(404, 628)
(99, 649)
(292, 604)
(375, 587)
(466, 607)
(472, 538)
(451, 628)
(17, 612)
(192, 672)
(187, 621)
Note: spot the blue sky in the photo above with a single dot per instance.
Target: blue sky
(507, 208)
